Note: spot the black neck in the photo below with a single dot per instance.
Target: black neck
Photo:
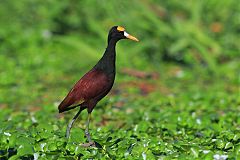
(107, 62)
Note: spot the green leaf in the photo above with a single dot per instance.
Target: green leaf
(228, 145)
(25, 149)
(220, 144)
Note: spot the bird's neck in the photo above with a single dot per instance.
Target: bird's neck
(107, 62)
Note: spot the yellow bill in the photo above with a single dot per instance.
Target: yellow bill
(130, 37)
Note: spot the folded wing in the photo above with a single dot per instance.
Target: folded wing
(89, 87)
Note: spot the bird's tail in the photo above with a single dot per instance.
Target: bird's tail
(63, 109)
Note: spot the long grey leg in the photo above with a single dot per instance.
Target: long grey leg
(87, 128)
(71, 123)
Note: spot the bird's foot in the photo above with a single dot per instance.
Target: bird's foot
(90, 144)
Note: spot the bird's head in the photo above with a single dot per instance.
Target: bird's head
(118, 33)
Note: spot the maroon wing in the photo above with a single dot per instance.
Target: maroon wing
(90, 86)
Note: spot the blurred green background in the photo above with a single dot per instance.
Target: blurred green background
(187, 61)
(46, 45)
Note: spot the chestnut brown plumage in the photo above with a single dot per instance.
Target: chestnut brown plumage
(96, 83)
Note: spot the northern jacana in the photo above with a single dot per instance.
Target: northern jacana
(96, 83)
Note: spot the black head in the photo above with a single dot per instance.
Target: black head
(117, 33)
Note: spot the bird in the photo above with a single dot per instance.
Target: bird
(96, 83)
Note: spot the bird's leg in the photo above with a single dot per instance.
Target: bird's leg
(71, 123)
(87, 128)
(90, 142)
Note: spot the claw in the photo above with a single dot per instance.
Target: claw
(90, 144)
